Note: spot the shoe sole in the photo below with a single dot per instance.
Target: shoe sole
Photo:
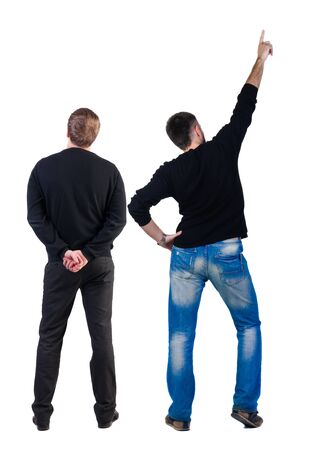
(108, 424)
(246, 422)
(174, 427)
(39, 427)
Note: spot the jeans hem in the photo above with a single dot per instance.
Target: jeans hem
(247, 410)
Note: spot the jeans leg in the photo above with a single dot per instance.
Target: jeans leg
(97, 299)
(184, 299)
(231, 277)
(60, 287)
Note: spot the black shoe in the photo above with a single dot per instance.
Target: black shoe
(41, 426)
(178, 425)
(110, 422)
(249, 420)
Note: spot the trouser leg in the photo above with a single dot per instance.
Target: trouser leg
(184, 299)
(60, 287)
(97, 292)
(236, 288)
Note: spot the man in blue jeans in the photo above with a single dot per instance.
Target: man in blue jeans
(205, 181)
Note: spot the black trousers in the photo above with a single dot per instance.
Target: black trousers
(95, 281)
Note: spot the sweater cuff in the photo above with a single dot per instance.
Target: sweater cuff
(142, 220)
(87, 254)
(61, 254)
(250, 89)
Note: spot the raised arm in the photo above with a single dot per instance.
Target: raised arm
(230, 137)
(265, 49)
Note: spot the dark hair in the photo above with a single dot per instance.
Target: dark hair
(178, 128)
(83, 127)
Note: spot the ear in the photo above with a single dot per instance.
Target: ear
(198, 131)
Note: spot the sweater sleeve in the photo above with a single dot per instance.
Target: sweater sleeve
(231, 135)
(114, 222)
(151, 194)
(39, 220)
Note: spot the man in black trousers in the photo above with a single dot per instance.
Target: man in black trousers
(76, 207)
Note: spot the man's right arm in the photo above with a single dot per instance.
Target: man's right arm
(114, 222)
(264, 50)
(231, 135)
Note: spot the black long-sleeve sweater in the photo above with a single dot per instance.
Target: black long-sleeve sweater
(205, 182)
(76, 200)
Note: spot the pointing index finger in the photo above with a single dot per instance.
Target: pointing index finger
(262, 36)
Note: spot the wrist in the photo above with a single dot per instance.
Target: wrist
(260, 59)
(162, 241)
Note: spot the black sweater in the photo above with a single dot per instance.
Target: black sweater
(205, 182)
(76, 200)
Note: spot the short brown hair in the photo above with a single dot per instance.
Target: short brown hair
(83, 127)
(178, 128)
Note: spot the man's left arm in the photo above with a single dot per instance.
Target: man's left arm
(39, 221)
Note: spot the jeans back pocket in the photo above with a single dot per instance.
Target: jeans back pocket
(230, 263)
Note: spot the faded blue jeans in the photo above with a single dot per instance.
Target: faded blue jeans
(224, 265)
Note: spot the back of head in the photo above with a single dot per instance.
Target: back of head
(179, 128)
(83, 127)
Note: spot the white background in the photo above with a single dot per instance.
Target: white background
(135, 63)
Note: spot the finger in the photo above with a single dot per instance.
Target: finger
(75, 268)
(170, 238)
(262, 36)
(74, 265)
(173, 236)
(81, 255)
(76, 258)
(70, 265)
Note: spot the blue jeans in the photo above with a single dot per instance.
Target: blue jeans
(224, 265)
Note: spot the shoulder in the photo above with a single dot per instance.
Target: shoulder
(46, 161)
(105, 163)
(166, 168)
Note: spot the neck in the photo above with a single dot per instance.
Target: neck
(70, 144)
(192, 146)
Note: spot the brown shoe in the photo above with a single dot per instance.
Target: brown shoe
(249, 420)
(178, 425)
